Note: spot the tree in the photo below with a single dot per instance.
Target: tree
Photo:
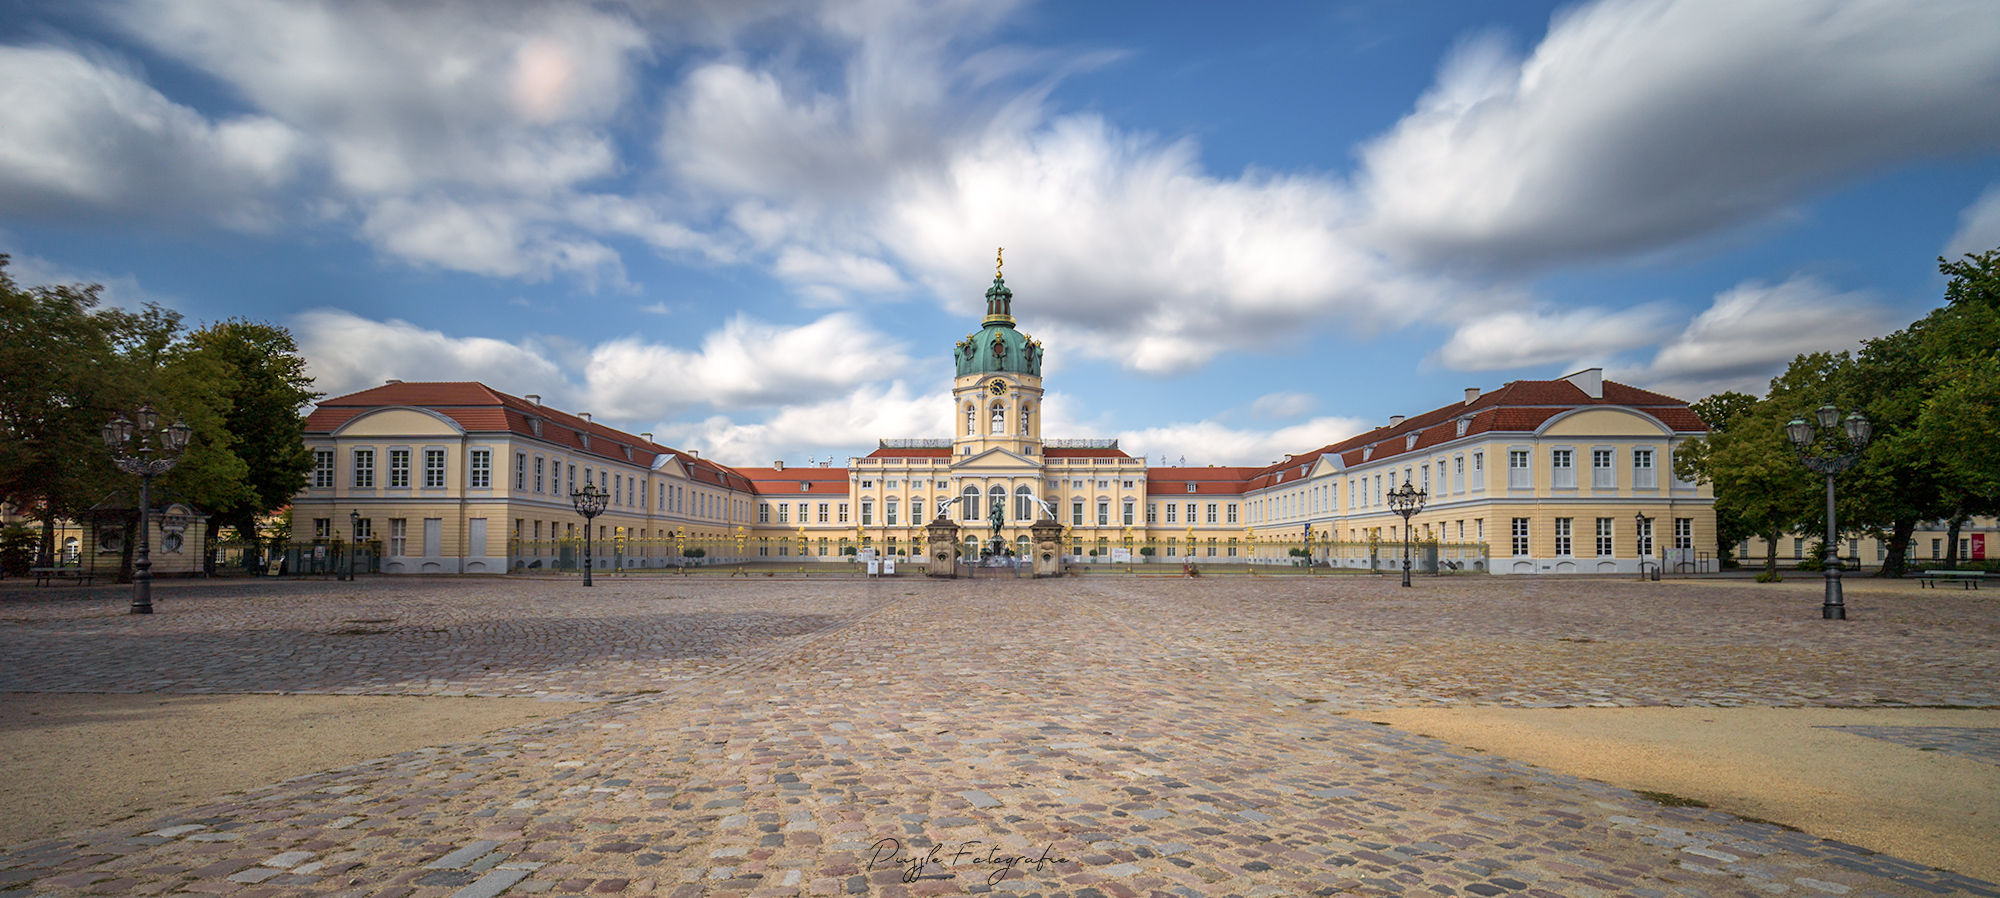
(262, 384)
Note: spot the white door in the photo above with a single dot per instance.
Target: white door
(433, 537)
(475, 538)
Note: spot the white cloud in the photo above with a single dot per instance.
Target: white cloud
(857, 419)
(345, 352)
(1533, 337)
(1641, 123)
(1751, 332)
(82, 133)
(744, 364)
(1283, 405)
(1208, 443)
(1978, 226)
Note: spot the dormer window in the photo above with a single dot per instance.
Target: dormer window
(535, 424)
(805, 486)
(628, 453)
(1410, 442)
(1367, 451)
(1464, 424)
(1190, 486)
(583, 438)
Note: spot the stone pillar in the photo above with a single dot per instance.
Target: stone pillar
(1047, 536)
(941, 546)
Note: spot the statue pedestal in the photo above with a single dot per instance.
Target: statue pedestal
(941, 547)
(1047, 537)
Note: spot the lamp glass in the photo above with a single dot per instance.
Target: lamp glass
(177, 436)
(149, 420)
(1800, 432)
(1828, 415)
(1859, 429)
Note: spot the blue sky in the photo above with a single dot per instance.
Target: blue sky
(756, 228)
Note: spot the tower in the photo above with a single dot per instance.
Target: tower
(997, 395)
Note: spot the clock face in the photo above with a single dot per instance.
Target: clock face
(998, 387)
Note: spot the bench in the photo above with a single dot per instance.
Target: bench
(1967, 579)
(45, 575)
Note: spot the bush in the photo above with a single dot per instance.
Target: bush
(694, 553)
(1146, 551)
(17, 550)
(1770, 577)
(1093, 553)
(849, 550)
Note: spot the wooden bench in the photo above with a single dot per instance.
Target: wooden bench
(1966, 579)
(45, 575)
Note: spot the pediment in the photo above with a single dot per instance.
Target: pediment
(995, 460)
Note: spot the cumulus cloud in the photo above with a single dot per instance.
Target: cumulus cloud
(1978, 226)
(1283, 405)
(1751, 332)
(345, 352)
(857, 419)
(82, 133)
(744, 364)
(1641, 123)
(1209, 443)
(1539, 336)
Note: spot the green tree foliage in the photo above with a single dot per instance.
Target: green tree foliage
(73, 366)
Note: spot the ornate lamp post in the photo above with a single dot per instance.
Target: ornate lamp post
(1641, 531)
(1407, 500)
(1803, 435)
(147, 450)
(589, 502)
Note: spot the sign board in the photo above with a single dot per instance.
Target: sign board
(1979, 546)
(867, 554)
(319, 552)
(889, 567)
(1121, 556)
(874, 568)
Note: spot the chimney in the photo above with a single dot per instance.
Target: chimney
(585, 416)
(1590, 381)
(393, 381)
(1471, 395)
(695, 452)
(778, 465)
(646, 436)
(1395, 420)
(534, 398)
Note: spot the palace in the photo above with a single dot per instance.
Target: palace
(1572, 475)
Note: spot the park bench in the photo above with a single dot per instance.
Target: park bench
(1967, 579)
(45, 575)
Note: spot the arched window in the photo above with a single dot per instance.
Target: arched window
(999, 418)
(969, 419)
(970, 499)
(1024, 504)
(998, 497)
(1027, 416)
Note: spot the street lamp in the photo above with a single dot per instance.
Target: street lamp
(1640, 533)
(147, 450)
(589, 502)
(1407, 500)
(353, 538)
(1803, 435)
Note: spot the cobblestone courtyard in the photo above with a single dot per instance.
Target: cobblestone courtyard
(1080, 738)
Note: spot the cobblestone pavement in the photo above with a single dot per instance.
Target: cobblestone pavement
(910, 738)
(1977, 743)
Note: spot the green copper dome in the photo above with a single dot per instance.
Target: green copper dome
(998, 346)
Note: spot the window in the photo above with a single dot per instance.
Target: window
(1103, 512)
(1644, 476)
(1153, 512)
(1232, 513)
(433, 468)
(784, 512)
(1519, 475)
(1190, 486)
(399, 469)
(1684, 535)
(364, 468)
(968, 422)
(1128, 484)
(889, 510)
(969, 500)
(322, 528)
(1190, 512)
(826, 513)
(572, 478)
(1425, 485)
(1604, 544)
(1024, 504)
(482, 469)
(1458, 474)
(1479, 529)
(1520, 537)
(1646, 537)
(1563, 469)
(1937, 546)
(1076, 513)
(1798, 547)
(865, 484)
(1211, 513)
(1130, 512)
(1562, 535)
(1172, 513)
(323, 468)
(399, 531)
(867, 512)
(364, 530)
(1602, 475)
(999, 418)
(538, 472)
(840, 512)
(520, 470)
(763, 512)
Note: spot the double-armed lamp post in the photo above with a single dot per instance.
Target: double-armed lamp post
(1407, 500)
(1831, 461)
(148, 450)
(589, 502)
